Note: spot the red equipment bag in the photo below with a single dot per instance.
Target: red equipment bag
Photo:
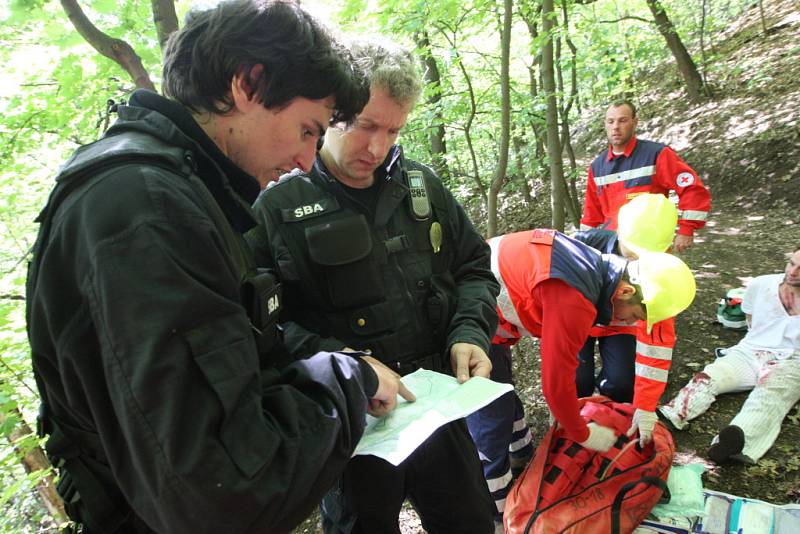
(570, 489)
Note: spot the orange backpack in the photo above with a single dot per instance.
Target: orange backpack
(570, 489)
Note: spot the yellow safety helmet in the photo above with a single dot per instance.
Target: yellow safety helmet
(667, 285)
(647, 223)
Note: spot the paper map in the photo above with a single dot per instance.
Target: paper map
(440, 399)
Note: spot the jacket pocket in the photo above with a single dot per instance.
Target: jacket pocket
(230, 366)
(342, 248)
(441, 303)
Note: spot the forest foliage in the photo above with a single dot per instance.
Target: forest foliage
(497, 122)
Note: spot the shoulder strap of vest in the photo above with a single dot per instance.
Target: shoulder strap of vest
(294, 247)
(260, 292)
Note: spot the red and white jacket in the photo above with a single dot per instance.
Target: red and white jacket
(554, 288)
(653, 357)
(540, 300)
(644, 167)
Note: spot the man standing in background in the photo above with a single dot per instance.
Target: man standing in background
(634, 166)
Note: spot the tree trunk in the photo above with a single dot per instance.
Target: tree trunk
(115, 49)
(686, 66)
(763, 19)
(557, 183)
(165, 20)
(434, 81)
(35, 460)
(573, 61)
(571, 192)
(499, 177)
(536, 122)
(522, 178)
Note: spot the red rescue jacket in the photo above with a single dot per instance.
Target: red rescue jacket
(644, 167)
(554, 288)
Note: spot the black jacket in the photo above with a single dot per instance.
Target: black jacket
(142, 347)
(373, 279)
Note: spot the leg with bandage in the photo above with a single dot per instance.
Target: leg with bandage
(736, 371)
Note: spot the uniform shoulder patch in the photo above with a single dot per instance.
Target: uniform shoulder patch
(543, 236)
(684, 179)
(309, 210)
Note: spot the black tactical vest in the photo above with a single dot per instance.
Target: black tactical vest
(378, 282)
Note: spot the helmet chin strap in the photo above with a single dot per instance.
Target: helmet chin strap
(633, 272)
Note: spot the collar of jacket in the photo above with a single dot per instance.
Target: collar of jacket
(627, 152)
(612, 267)
(232, 188)
(393, 192)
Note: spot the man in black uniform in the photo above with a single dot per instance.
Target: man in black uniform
(377, 256)
(153, 337)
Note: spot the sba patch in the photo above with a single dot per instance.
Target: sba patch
(312, 209)
(684, 179)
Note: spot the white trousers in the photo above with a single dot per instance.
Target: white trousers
(775, 385)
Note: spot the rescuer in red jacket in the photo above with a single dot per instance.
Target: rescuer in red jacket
(500, 431)
(556, 288)
(634, 166)
(635, 363)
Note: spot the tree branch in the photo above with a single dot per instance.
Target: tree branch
(34, 459)
(165, 19)
(115, 49)
(629, 17)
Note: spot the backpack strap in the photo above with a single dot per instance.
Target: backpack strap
(88, 499)
(616, 506)
(537, 466)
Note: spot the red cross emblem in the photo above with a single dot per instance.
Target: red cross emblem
(684, 179)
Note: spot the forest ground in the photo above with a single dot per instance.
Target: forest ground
(745, 144)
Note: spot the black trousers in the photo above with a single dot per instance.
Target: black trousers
(442, 479)
(616, 378)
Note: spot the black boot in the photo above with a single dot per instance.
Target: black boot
(730, 442)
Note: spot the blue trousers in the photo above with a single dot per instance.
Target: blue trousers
(615, 381)
(501, 433)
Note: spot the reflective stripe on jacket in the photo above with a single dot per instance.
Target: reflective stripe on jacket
(653, 361)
